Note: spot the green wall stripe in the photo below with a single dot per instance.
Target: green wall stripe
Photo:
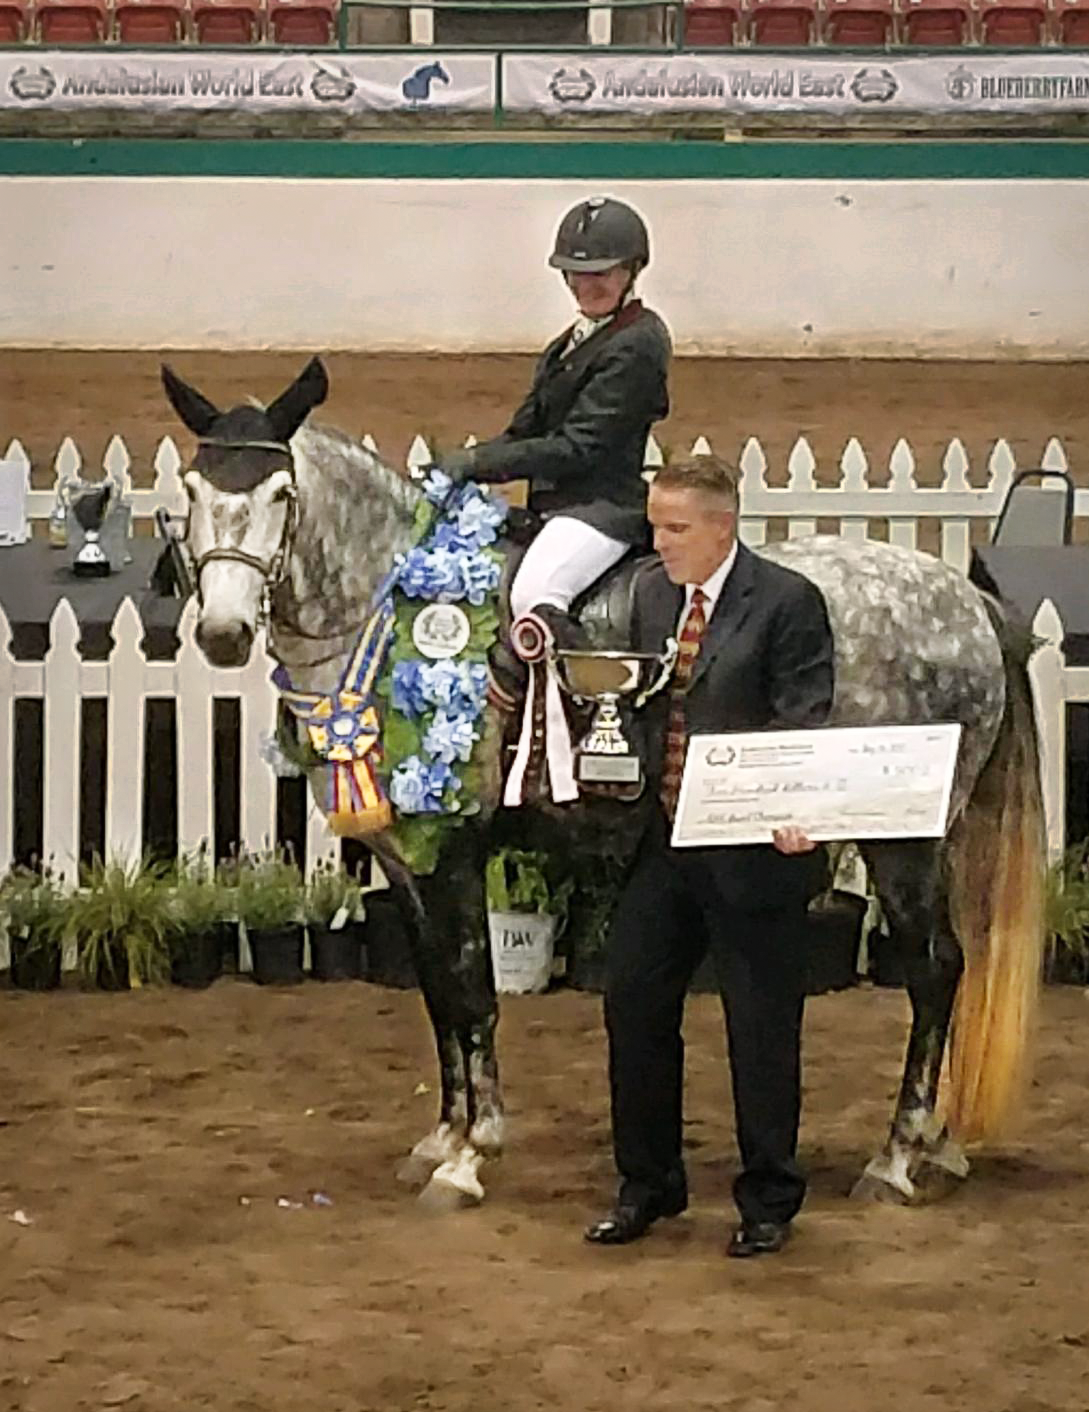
(571, 159)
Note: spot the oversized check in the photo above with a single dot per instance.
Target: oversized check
(841, 783)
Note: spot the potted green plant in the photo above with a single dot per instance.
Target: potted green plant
(387, 942)
(526, 909)
(120, 923)
(201, 913)
(35, 909)
(270, 907)
(1066, 954)
(334, 911)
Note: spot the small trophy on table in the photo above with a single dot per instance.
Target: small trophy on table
(90, 511)
(604, 759)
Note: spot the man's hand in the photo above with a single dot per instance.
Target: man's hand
(792, 840)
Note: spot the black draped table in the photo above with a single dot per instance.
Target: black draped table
(34, 577)
(1023, 576)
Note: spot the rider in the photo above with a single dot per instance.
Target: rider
(580, 435)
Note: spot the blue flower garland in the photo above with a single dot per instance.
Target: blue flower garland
(434, 707)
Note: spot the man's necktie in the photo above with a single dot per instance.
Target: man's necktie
(695, 625)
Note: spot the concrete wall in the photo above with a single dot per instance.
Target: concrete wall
(767, 267)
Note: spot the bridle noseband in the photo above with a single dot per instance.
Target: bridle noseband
(273, 571)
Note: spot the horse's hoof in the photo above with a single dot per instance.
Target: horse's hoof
(416, 1170)
(877, 1191)
(440, 1197)
(934, 1182)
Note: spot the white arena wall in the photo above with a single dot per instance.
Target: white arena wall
(792, 268)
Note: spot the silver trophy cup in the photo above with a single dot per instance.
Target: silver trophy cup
(604, 757)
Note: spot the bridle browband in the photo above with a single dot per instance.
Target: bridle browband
(273, 570)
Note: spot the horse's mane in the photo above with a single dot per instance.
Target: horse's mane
(355, 515)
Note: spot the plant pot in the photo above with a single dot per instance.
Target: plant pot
(1064, 966)
(277, 955)
(522, 946)
(111, 969)
(336, 956)
(197, 960)
(886, 963)
(34, 965)
(388, 949)
(834, 936)
(587, 972)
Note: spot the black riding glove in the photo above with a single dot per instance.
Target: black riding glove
(458, 465)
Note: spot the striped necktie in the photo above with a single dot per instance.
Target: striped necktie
(695, 625)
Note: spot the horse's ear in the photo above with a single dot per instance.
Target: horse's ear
(195, 411)
(308, 390)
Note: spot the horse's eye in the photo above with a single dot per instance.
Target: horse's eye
(284, 493)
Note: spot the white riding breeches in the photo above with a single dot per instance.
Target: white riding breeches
(565, 558)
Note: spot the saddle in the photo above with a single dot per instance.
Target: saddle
(601, 614)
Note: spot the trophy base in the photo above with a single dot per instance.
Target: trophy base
(96, 569)
(609, 769)
(611, 776)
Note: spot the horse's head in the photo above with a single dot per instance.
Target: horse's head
(242, 506)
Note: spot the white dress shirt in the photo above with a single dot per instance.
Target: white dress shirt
(712, 588)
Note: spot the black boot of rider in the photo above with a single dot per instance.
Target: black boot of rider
(510, 671)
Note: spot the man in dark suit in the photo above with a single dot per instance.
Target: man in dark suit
(755, 653)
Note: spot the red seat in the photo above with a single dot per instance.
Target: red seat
(15, 21)
(868, 22)
(72, 21)
(150, 21)
(1013, 23)
(227, 21)
(938, 23)
(708, 23)
(1072, 21)
(783, 23)
(308, 22)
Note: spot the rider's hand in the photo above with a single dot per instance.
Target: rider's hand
(792, 840)
(458, 465)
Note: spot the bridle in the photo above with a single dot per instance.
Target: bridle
(273, 570)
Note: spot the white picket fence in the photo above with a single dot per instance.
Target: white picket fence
(127, 679)
(851, 501)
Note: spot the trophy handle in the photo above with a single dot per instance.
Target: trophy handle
(668, 661)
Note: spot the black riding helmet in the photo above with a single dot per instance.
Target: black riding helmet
(597, 234)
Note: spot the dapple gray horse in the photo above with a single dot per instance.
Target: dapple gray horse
(300, 525)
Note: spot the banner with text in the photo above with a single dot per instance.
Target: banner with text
(246, 82)
(744, 82)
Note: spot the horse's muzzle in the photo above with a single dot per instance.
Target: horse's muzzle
(225, 644)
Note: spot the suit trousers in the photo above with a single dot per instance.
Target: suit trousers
(670, 915)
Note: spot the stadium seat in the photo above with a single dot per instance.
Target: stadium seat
(869, 22)
(711, 22)
(1072, 21)
(72, 21)
(227, 21)
(150, 21)
(783, 23)
(302, 21)
(938, 23)
(15, 21)
(1016, 24)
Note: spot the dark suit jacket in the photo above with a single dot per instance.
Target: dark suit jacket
(580, 436)
(766, 661)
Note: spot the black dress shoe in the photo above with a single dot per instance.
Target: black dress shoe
(629, 1220)
(757, 1238)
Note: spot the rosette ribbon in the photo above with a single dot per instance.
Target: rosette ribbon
(344, 729)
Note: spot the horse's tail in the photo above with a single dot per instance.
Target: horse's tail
(997, 858)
